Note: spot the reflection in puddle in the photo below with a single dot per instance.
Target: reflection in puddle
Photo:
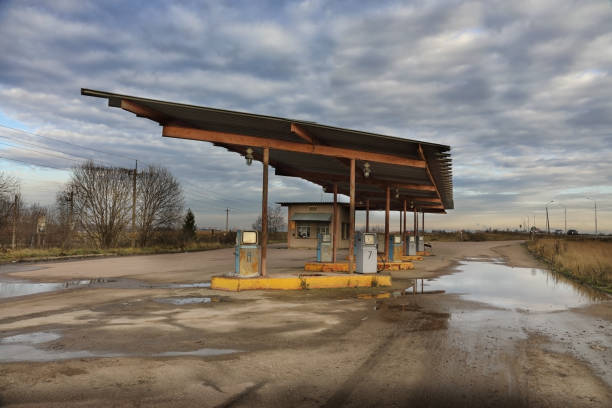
(22, 347)
(12, 288)
(514, 288)
(186, 300)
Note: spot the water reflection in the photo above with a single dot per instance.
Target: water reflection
(514, 288)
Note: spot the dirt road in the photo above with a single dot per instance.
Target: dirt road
(128, 346)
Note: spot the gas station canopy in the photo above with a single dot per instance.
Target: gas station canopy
(417, 172)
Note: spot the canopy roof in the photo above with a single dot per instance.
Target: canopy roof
(416, 171)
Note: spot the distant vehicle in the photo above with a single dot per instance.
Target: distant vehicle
(572, 232)
(558, 232)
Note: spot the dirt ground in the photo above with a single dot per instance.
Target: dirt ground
(301, 349)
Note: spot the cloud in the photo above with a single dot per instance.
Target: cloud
(520, 90)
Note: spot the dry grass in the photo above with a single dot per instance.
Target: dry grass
(28, 254)
(587, 260)
(476, 236)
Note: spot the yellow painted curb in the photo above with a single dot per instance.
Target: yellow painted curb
(297, 283)
(423, 253)
(343, 267)
(396, 266)
(326, 267)
(411, 258)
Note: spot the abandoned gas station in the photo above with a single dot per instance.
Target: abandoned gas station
(377, 173)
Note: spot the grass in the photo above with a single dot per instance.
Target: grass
(28, 254)
(475, 236)
(585, 260)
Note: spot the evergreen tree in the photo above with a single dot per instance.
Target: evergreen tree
(189, 226)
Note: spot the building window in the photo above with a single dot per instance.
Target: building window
(323, 230)
(303, 231)
(345, 230)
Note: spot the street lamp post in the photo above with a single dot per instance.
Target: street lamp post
(547, 221)
(595, 203)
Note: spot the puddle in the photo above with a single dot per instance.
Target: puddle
(502, 286)
(205, 352)
(527, 302)
(23, 347)
(12, 288)
(187, 285)
(186, 300)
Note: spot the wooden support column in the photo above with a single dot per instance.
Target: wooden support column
(387, 208)
(335, 224)
(352, 220)
(415, 230)
(367, 216)
(264, 212)
(404, 236)
(423, 223)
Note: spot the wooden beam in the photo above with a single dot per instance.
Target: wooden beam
(244, 140)
(264, 212)
(433, 182)
(367, 216)
(303, 133)
(309, 175)
(143, 111)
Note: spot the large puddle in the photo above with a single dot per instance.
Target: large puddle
(524, 301)
(495, 283)
(10, 288)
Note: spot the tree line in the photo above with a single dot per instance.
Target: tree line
(99, 206)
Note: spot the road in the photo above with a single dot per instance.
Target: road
(109, 345)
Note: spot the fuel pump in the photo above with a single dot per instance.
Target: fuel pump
(412, 248)
(247, 254)
(395, 248)
(367, 252)
(324, 248)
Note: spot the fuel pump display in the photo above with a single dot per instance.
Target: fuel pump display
(247, 254)
(366, 253)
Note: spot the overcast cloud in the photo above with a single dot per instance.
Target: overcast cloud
(521, 90)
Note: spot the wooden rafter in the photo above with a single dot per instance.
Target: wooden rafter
(244, 140)
(143, 111)
(433, 182)
(303, 133)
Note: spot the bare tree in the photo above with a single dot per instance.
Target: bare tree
(159, 202)
(102, 201)
(276, 221)
(8, 184)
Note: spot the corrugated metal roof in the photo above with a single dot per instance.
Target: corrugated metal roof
(318, 217)
(319, 169)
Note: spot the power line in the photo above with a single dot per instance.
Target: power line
(47, 148)
(68, 143)
(38, 151)
(33, 164)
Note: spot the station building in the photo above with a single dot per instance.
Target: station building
(306, 220)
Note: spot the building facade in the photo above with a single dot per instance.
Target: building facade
(306, 220)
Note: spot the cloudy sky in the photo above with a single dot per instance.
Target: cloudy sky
(521, 91)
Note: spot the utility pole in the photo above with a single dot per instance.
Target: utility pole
(70, 218)
(15, 214)
(134, 206)
(227, 220)
(595, 203)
